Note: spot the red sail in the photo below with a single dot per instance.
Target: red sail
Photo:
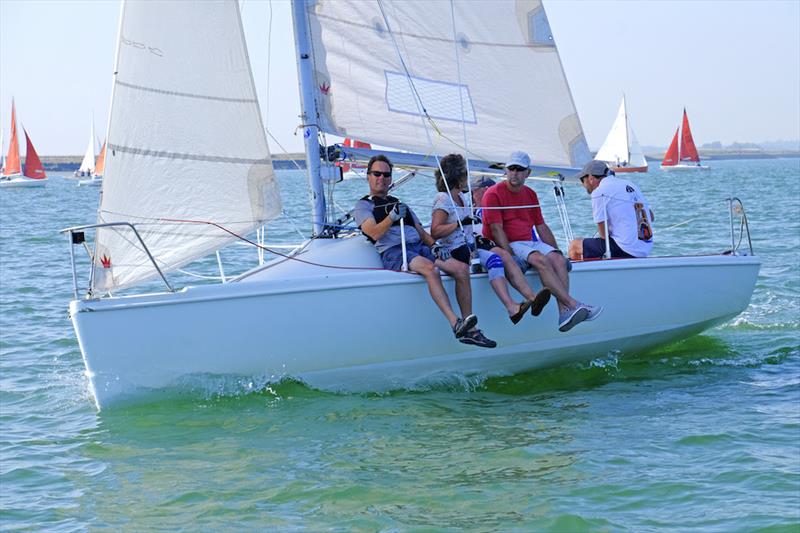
(671, 157)
(100, 164)
(688, 149)
(12, 159)
(33, 166)
(353, 144)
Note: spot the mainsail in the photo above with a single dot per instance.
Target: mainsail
(87, 165)
(486, 74)
(33, 165)
(13, 166)
(186, 145)
(621, 147)
(688, 149)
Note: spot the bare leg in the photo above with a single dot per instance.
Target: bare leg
(426, 269)
(514, 274)
(460, 273)
(551, 280)
(559, 265)
(500, 287)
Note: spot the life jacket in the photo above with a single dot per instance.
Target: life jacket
(384, 206)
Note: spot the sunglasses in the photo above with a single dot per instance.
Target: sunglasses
(516, 168)
(378, 173)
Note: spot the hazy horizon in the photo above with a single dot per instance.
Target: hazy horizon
(734, 65)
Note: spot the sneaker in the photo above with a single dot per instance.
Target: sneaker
(594, 311)
(572, 317)
(477, 338)
(463, 326)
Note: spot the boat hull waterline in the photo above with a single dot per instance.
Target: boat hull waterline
(685, 167)
(22, 182)
(356, 331)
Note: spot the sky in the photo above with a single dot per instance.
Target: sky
(734, 65)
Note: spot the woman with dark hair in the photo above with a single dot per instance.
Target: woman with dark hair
(458, 240)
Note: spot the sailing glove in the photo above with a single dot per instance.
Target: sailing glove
(399, 211)
(439, 252)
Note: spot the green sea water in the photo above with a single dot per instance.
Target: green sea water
(701, 435)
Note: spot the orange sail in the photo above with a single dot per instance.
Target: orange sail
(13, 166)
(100, 164)
(671, 157)
(688, 149)
(33, 165)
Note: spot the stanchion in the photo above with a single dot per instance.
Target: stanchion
(403, 245)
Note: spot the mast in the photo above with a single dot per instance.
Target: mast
(309, 114)
(627, 140)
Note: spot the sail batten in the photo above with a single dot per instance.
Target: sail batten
(186, 149)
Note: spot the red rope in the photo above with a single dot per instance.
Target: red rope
(285, 256)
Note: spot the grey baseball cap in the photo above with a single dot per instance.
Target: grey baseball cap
(481, 181)
(593, 168)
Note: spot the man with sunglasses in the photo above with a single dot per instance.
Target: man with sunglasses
(513, 219)
(622, 205)
(378, 215)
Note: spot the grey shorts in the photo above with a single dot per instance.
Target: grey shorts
(522, 249)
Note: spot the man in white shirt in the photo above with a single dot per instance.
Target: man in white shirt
(620, 204)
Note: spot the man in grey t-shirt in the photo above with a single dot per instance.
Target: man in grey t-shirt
(378, 215)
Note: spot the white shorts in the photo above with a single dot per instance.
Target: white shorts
(522, 249)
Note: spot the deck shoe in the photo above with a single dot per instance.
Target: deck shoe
(477, 338)
(540, 301)
(572, 317)
(594, 311)
(523, 308)
(463, 326)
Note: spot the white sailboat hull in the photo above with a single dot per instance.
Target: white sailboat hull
(93, 182)
(22, 181)
(685, 167)
(356, 330)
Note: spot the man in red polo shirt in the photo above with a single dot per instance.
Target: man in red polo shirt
(513, 219)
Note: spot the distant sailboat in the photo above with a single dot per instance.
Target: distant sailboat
(97, 174)
(351, 171)
(100, 164)
(34, 174)
(87, 164)
(621, 150)
(687, 158)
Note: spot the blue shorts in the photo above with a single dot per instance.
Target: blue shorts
(596, 247)
(393, 257)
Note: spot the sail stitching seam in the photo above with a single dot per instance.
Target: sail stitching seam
(186, 95)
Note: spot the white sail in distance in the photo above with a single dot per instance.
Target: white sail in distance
(87, 164)
(491, 68)
(621, 146)
(186, 145)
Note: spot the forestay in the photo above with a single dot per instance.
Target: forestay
(185, 141)
(491, 66)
